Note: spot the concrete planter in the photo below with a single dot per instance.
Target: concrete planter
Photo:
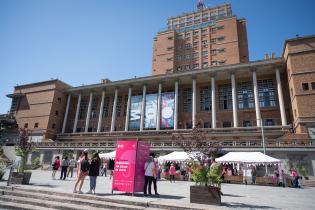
(205, 195)
(21, 178)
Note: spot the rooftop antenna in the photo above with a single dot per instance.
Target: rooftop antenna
(201, 5)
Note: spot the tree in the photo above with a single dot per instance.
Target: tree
(23, 147)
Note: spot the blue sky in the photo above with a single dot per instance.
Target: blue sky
(82, 41)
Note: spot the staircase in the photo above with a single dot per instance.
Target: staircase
(31, 199)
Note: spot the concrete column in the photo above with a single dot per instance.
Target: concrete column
(176, 106)
(128, 109)
(87, 121)
(143, 107)
(234, 101)
(280, 98)
(77, 114)
(65, 118)
(256, 99)
(41, 157)
(158, 117)
(112, 126)
(194, 100)
(100, 115)
(213, 103)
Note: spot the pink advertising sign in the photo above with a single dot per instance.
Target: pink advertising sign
(128, 163)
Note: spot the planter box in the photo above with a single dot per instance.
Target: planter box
(205, 195)
(21, 178)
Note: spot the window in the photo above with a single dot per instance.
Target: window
(179, 47)
(170, 38)
(213, 41)
(179, 57)
(196, 66)
(221, 38)
(179, 36)
(59, 100)
(26, 125)
(226, 124)
(204, 32)
(188, 57)
(225, 97)
(221, 50)
(205, 98)
(53, 126)
(269, 122)
(106, 112)
(187, 34)
(118, 106)
(82, 110)
(313, 85)
(36, 125)
(204, 53)
(196, 54)
(207, 125)
(204, 64)
(187, 39)
(266, 93)
(305, 86)
(204, 42)
(220, 27)
(245, 96)
(187, 46)
(213, 52)
(221, 62)
(125, 104)
(93, 108)
(247, 123)
(187, 99)
(204, 46)
(213, 30)
(196, 33)
(195, 43)
(56, 113)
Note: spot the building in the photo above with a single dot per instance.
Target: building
(232, 103)
(200, 39)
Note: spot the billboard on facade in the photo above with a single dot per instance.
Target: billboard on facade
(150, 111)
(167, 110)
(135, 112)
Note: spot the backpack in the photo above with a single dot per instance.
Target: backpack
(85, 165)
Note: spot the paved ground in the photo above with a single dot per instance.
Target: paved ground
(235, 196)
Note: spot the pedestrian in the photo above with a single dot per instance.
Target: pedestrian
(94, 172)
(83, 172)
(148, 175)
(55, 165)
(155, 172)
(81, 157)
(64, 166)
(172, 172)
(104, 168)
(72, 164)
(254, 175)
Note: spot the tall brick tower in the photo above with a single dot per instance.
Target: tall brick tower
(200, 39)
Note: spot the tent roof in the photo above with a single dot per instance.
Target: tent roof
(174, 156)
(110, 155)
(247, 157)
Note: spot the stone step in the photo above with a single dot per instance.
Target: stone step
(70, 200)
(4, 205)
(46, 204)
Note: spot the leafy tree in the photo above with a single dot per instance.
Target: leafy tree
(23, 147)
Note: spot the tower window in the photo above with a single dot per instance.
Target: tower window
(305, 86)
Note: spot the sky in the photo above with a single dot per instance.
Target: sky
(83, 41)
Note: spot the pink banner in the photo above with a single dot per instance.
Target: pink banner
(143, 151)
(129, 165)
(125, 163)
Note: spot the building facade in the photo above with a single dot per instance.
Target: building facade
(235, 104)
(201, 39)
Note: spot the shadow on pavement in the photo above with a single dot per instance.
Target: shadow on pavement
(140, 195)
(42, 185)
(231, 195)
(244, 205)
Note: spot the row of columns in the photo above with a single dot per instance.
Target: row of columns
(194, 102)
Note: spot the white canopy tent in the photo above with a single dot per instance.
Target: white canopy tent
(250, 158)
(174, 157)
(110, 155)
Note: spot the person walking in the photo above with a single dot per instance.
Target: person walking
(72, 164)
(55, 165)
(83, 172)
(254, 175)
(81, 157)
(64, 166)
(172, 172)
(148, 175)
(105, 168)
(94, 172)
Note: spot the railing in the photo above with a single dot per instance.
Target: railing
(304, 143)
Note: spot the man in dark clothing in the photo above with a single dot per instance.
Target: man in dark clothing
(94, 172)
(64, 166)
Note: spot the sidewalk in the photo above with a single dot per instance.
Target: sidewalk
(235, 196)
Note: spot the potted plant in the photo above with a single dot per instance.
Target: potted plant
(206, 175)
(23, 148)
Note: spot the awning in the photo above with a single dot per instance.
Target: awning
(110, 155)
(255, 158)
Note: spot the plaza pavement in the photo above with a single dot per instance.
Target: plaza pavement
(235, 196)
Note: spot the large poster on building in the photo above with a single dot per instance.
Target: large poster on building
(135, 112)
(167, 110)
(150, 111)
(125, 163)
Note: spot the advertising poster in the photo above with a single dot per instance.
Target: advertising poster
(125, 163)
(150, 111)
(135, 112)
(143, 152)
(167, 110)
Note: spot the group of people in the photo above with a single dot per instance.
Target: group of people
(85, 167)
